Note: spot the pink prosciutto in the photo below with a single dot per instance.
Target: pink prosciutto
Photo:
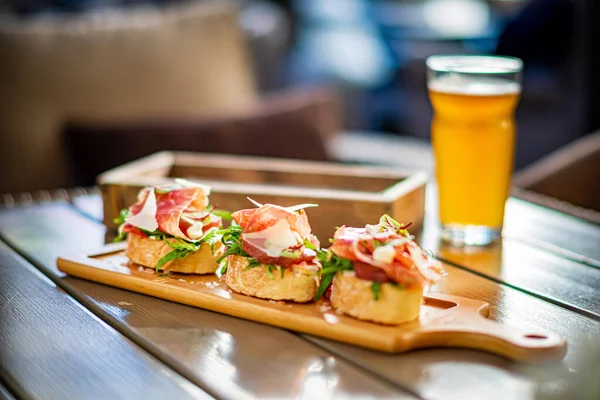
(260, 219)
(171, 206)
(409, 265)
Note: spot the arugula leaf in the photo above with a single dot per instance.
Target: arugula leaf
(124, 213)
(210, 235)
(121, 236)
(232, 239)
(180, 244)
(323, 285)
(282, 271)
(252, 263)
(222, 269)
(173, 255)
(230, 251)
(331, 265)
(269, 268)
(376, 289)
(120, 220)
(181, 248)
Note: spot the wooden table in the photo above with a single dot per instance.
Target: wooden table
(64, 338)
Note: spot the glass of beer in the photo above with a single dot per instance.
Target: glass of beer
(473, 135)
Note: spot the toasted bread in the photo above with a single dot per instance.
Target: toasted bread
(354, 297)
(299, 282)
(146, 252)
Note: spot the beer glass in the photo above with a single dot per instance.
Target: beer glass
(473, 135)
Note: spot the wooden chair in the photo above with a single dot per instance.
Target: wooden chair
(292, 124)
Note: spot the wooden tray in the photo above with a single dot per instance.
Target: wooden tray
(351, 195)
(446, 321)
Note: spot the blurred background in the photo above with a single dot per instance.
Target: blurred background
(87, 85)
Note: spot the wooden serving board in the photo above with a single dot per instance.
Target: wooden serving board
(446, 321)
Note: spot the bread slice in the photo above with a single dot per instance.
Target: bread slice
(145, 251)
(354, 297)
(299, 282)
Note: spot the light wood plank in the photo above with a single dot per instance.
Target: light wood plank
(565, 282)
(553, 231)
(535, 226)
(229, 357)
(457, 374)
(432, 373)
(237, 358)
(527, 265)
(53, 348)
(45, 230)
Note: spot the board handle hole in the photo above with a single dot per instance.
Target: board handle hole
(536, 336)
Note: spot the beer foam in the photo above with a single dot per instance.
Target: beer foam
(474, 86)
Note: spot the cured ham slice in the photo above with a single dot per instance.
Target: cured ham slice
(382, 254)
(258, 219)
(128, 228)
(275, 235)
(172, 211)
(370, 273)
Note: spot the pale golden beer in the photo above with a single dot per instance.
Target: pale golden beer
(473, 135)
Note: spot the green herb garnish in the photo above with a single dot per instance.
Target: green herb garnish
(232, 239)
(252, 263)
(181, 248)
(172, 255)
(222, 269)
(331, 265)
(120, 237)
(269, 268)
(388, 223)
(120, 220)
(122, 215)
(375, 288)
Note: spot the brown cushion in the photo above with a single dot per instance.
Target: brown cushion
(295, 125)
(184, 61)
